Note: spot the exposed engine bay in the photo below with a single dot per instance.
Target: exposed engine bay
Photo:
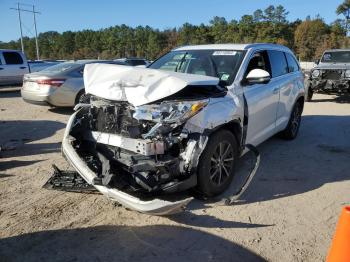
(138, 149)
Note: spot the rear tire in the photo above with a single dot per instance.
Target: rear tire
(217, 163)
(292, 128)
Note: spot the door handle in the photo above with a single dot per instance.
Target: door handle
(23, 67)
(276, 90)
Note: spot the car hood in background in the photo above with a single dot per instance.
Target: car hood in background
(333, 66)
(136, 85)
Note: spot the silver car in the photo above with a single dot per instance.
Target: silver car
(61, 85)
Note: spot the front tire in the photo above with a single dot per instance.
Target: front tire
(293, 126)
(310, 93)
(217, 163)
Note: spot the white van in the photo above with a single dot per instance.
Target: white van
(13, 65)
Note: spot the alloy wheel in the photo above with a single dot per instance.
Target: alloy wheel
(221, 163)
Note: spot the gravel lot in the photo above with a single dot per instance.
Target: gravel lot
(288, 213)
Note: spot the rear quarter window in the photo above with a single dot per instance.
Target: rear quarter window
(137, 62)
(12, 58)
(292, 63)
(278, 63)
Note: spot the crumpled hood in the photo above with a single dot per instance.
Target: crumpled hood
(137, 85)
(333, 66)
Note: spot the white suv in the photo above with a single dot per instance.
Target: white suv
(183, 122)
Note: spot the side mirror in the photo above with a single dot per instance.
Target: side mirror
(317, 61)
(258, 76)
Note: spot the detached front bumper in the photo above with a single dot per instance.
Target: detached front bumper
(153, 207)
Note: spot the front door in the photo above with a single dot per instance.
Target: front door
(262, 101)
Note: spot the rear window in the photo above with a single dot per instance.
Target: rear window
(278, 63)
(292, 64)
(12, 58)
(59, 68)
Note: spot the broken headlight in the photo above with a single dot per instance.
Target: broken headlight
(169, 111)
(316, 73)
(347, 73)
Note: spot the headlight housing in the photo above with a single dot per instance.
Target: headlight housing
(347, 73)
(316, 73)
(169, 111)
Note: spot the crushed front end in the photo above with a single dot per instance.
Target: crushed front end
(330, 80)
(136, 155)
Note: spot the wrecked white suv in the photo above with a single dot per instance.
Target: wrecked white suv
(181, 123)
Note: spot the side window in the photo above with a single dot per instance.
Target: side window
(278, 63)
(137, 62)
(292, 63)
(12, 58)
(259, 60)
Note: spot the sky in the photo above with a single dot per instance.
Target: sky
(74, 15)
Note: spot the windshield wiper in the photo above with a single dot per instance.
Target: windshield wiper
(214, 67)
(181, 61)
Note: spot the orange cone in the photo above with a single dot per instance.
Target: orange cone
(340, 248)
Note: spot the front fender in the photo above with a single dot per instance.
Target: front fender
(219, 111)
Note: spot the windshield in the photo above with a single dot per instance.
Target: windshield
(223, 64)
(60, 67)
(336, 57)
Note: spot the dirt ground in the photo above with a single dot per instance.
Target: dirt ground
(288, 213)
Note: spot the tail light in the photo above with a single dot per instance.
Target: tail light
(51, 82)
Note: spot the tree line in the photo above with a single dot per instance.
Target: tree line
(308, 38)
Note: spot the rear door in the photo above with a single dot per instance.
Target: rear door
(285, 76)
(13, 67)
(262, 101)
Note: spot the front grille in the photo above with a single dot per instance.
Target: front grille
(332, 74)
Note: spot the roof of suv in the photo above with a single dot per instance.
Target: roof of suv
(233, 47)
(337, 50)
(10, 50)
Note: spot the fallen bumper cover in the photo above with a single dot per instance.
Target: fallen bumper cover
(153, 207)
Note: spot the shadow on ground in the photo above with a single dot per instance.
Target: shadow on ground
(17, 138)
(9, 92)
(15, 163)
(62, 110)
(120, 243)
(338, 98)
(208, 221)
